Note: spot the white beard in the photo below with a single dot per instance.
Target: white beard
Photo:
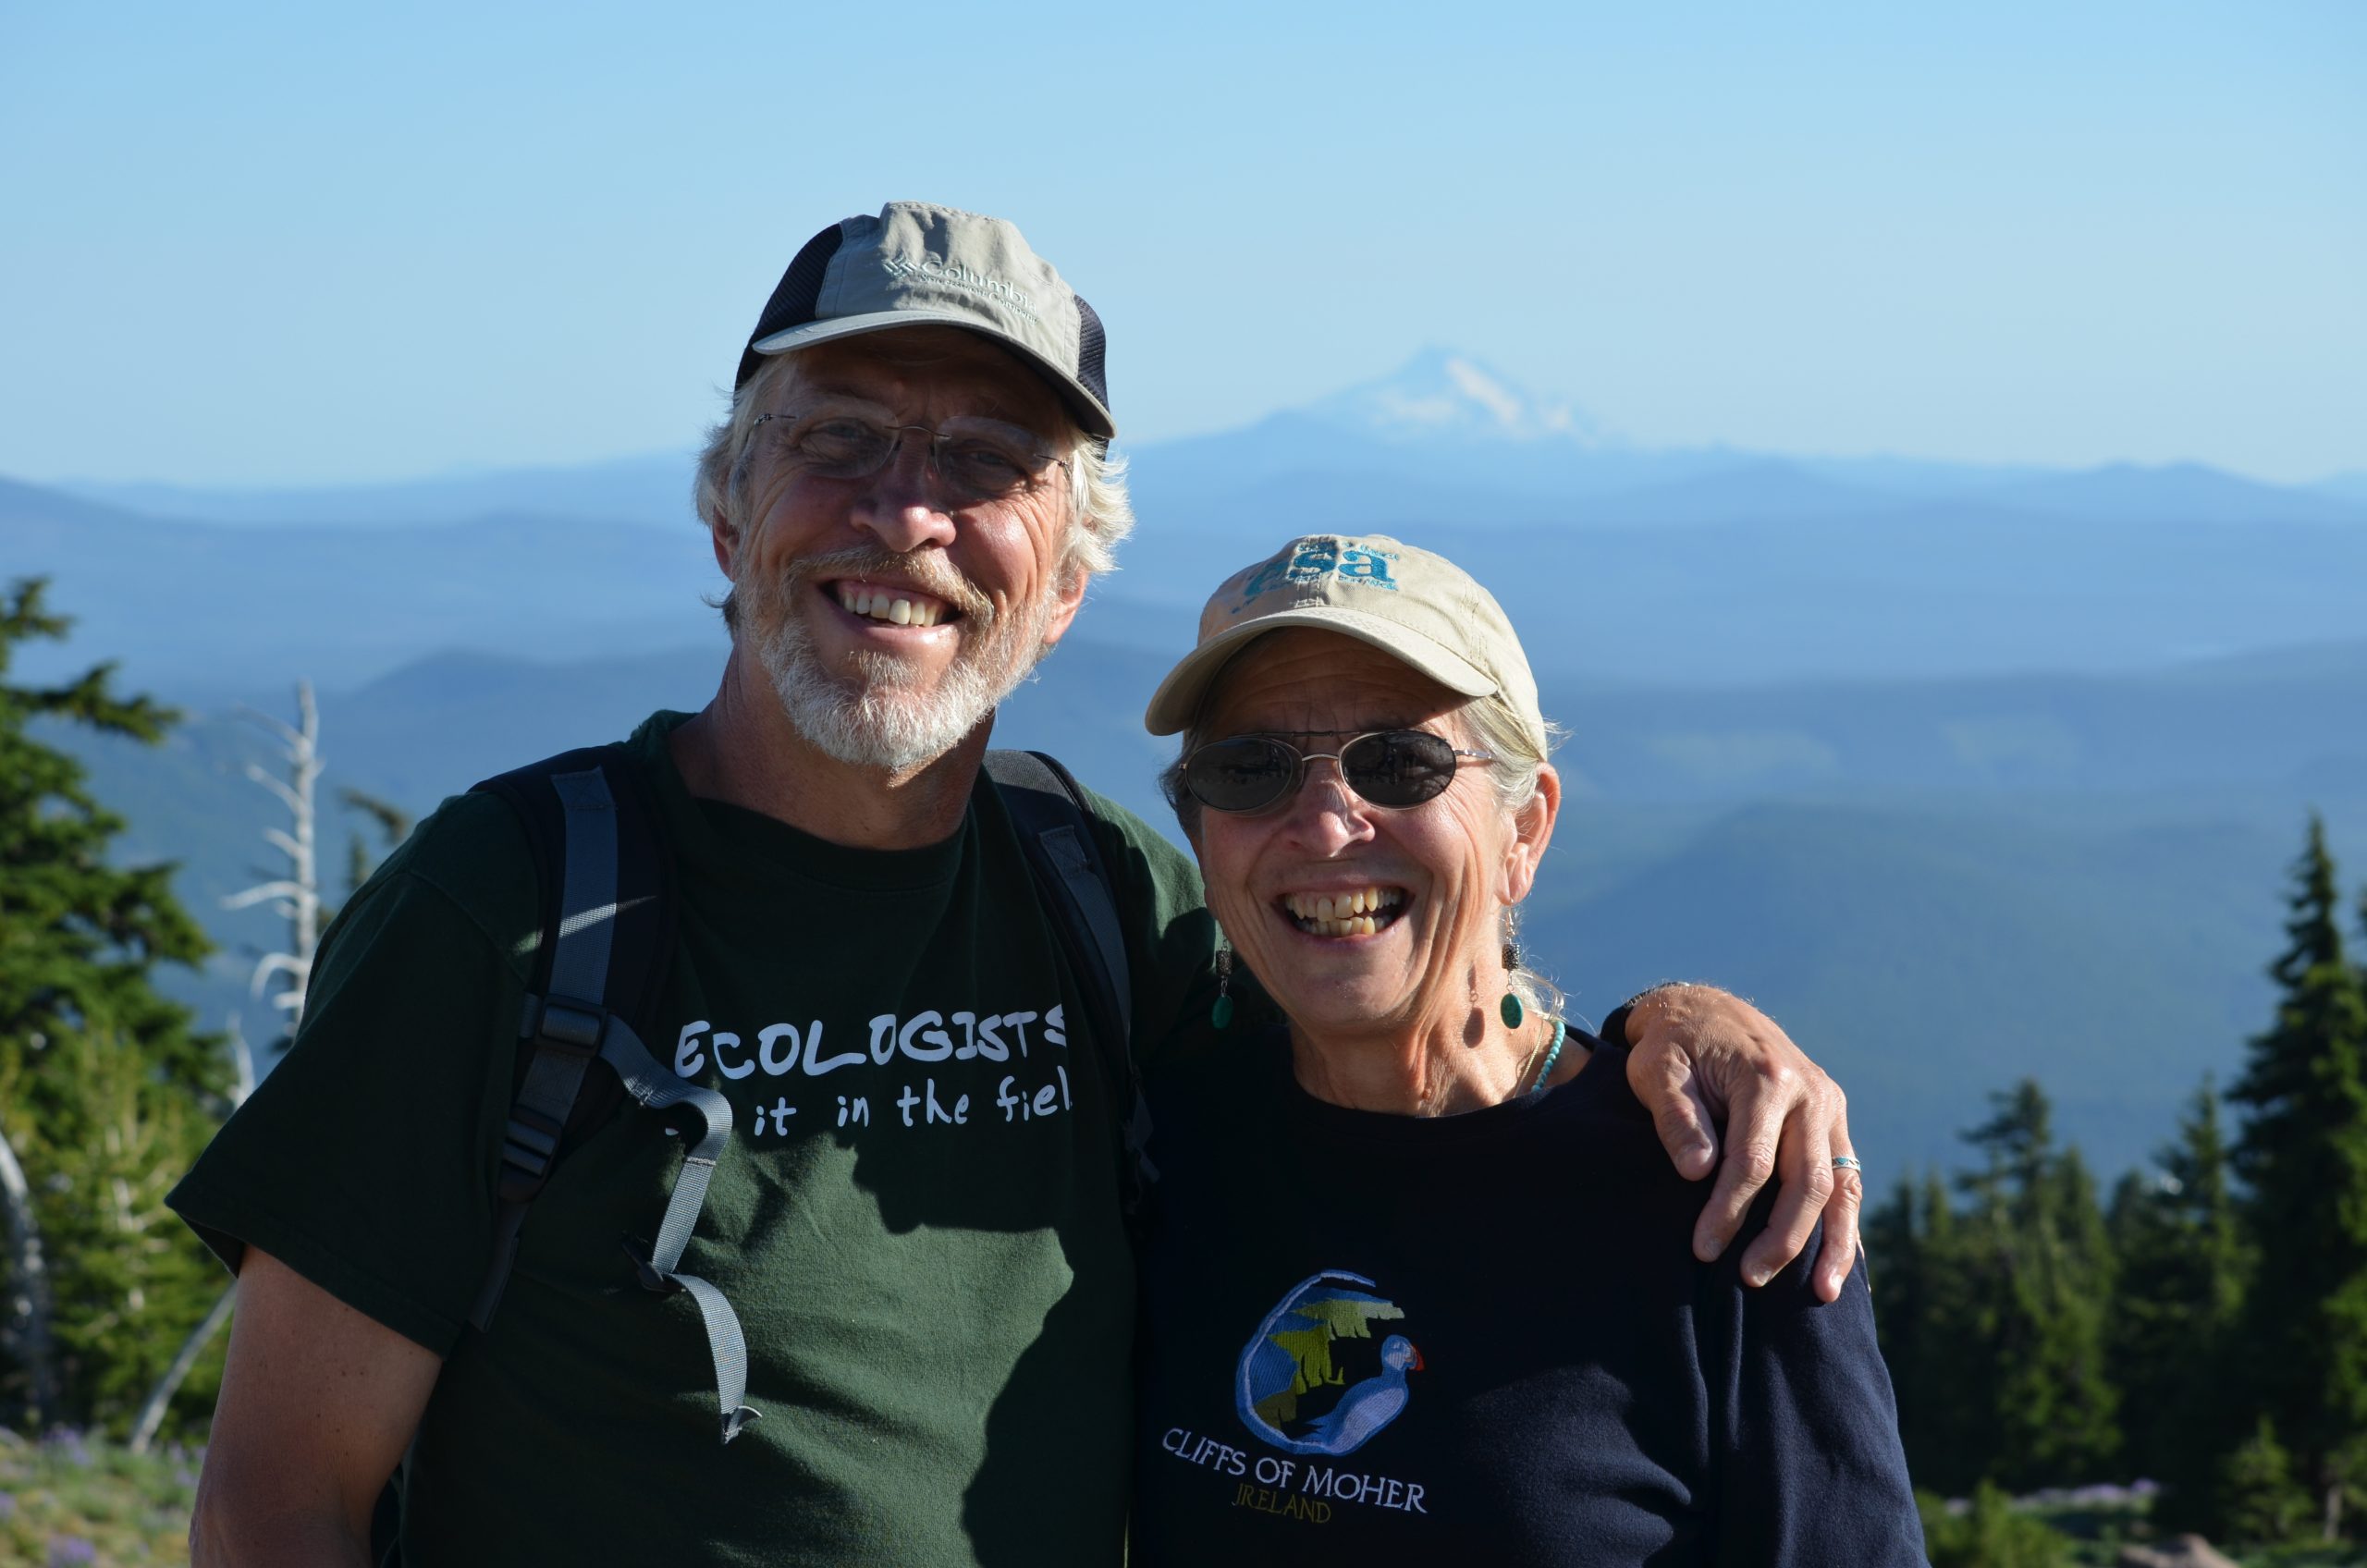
(876, 716)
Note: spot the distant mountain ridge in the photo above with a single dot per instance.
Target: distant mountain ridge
(1703, 567)
(654, 488)
(1445, 418)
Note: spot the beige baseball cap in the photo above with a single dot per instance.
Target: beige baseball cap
(1407, 602)
(918, 264)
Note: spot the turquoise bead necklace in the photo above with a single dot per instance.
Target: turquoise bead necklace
(1552, 1055)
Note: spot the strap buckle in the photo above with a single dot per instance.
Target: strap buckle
(565, 1023)
(530, 1143)
(652, 1280)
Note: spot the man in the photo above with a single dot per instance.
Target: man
(918, 1214)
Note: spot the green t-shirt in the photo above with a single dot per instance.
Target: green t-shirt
(918, 1218)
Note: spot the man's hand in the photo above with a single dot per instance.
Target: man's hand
(1699, 1057)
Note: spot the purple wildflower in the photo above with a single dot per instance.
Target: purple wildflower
(67, 1447)
(71, 1552)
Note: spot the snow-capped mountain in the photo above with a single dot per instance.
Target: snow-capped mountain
(1441, 394)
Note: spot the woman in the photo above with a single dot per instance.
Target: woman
(1419, 1286)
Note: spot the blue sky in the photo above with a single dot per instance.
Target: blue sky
(271, 244)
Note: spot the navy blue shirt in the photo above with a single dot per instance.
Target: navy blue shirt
(1380, 1339)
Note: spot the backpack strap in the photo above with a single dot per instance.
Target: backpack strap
(607, 933)
(1054, 825)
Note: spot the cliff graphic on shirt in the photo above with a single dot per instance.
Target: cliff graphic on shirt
(1313, 1378)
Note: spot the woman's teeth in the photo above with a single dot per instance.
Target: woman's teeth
(1359, 914)
(900, 608)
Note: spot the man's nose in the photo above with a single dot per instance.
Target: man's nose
(905, 507)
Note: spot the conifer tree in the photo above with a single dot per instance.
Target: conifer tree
(1928, 1314)
(2040, 1272)
(2182, 1261)
(2303, 1153)
(105, 1091)
(1899, 1269)
(2256, 1499)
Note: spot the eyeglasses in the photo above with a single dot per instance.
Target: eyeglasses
(980, 459)
(1396, 768)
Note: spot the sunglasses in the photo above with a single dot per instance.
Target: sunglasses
(1396, 768)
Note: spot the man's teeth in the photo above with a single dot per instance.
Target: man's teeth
(882, 606)
(1358, 914)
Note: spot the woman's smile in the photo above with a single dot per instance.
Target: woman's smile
(1364, 911)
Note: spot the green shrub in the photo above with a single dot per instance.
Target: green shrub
(1989, 1533)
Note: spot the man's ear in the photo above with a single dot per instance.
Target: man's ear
(724, 535)
(1532, 831)
(1066, 602)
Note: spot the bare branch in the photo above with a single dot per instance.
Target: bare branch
(293, 891)
(288, 797)
(277, 726)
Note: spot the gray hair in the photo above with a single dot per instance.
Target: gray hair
(1100, 512)
(1520, 752)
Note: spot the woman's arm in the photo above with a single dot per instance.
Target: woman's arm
(1809, 1468)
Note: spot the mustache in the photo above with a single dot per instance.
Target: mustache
(928, 571)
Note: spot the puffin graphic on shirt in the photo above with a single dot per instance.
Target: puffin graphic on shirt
(1311, 1379)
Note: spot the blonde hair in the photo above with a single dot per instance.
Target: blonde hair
(1101, 514)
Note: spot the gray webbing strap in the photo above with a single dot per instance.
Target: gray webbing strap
(587, 900)
(1074, 861)
(657, 1089)
(568, 1027)
(1070, 854)
(1052, 817)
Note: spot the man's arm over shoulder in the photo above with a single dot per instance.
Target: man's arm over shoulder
(318, 1403)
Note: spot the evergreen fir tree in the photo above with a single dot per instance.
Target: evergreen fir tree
(2257, 1501)
(105, 1091)
(2182, 1266)
(1989, 1533)
(2303, 1154)
(2042, 1271)
(1898, 1268)
(1928, 1310)
(1957, 1429)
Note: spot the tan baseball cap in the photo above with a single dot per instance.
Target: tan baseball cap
(916, 264)
(1407, 602)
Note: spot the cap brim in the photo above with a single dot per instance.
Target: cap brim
(1087, 406)
(1177, 701)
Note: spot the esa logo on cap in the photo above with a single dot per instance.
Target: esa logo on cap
(1312, 560)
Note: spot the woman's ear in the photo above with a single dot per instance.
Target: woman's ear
(1532, 831)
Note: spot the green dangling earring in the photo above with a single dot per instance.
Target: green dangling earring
(1221, 1014)
(1510, 1009)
